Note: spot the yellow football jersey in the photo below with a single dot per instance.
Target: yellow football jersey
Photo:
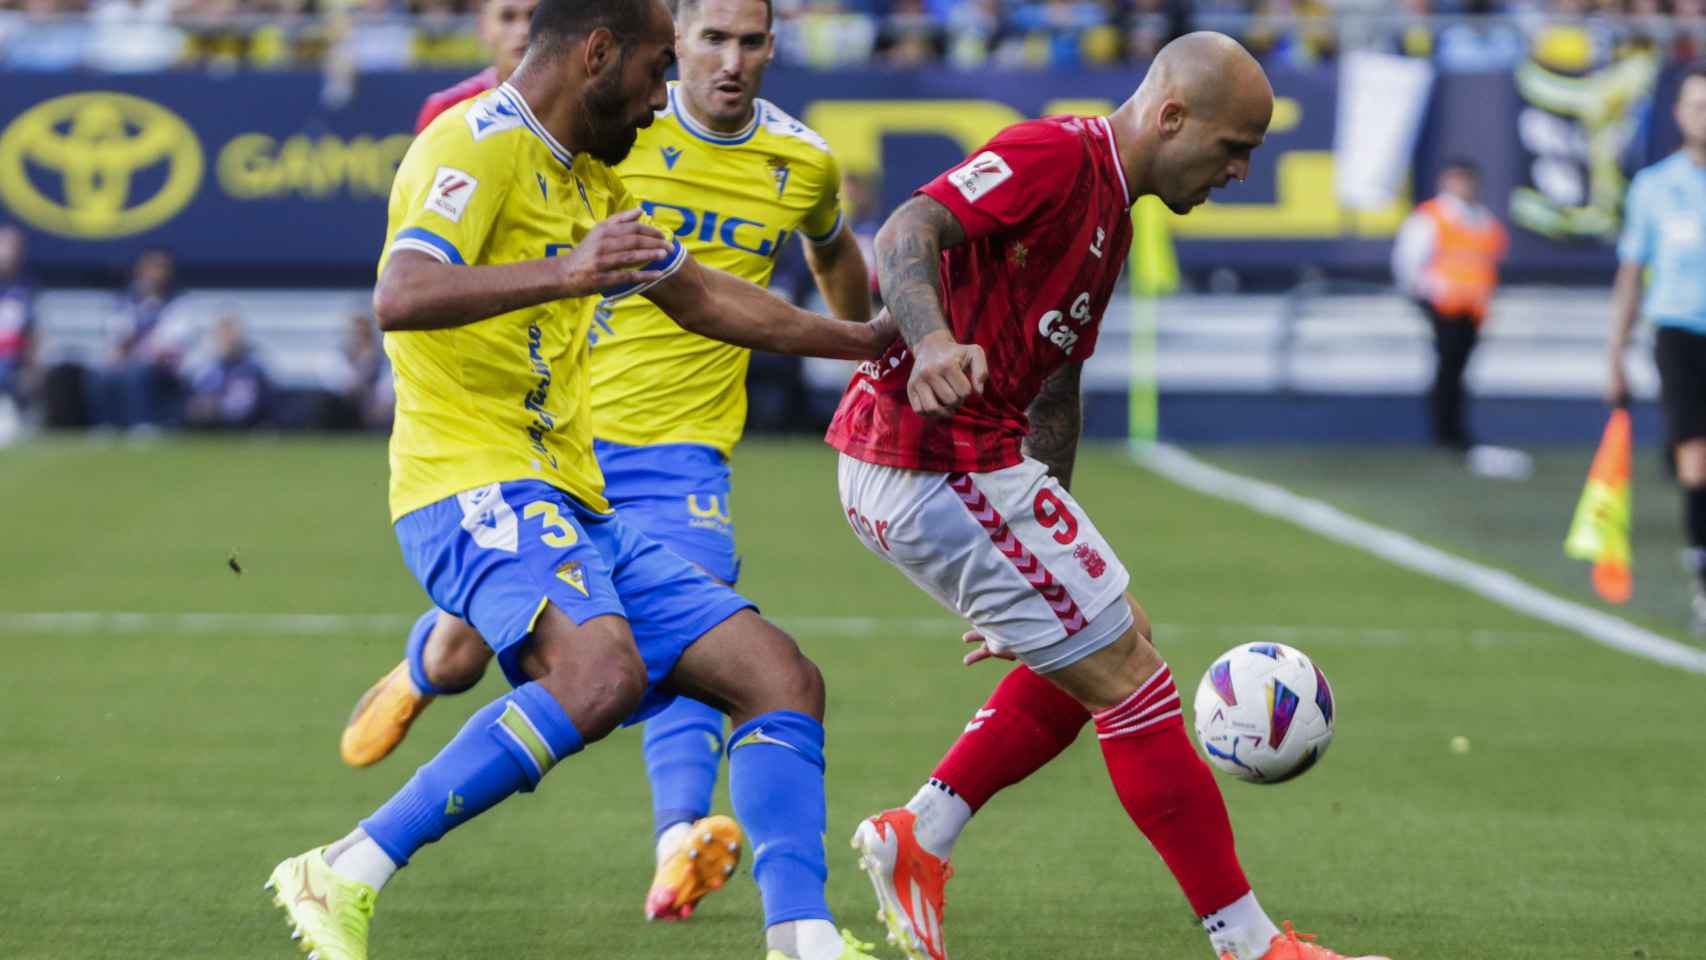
(505, 398)
(733, 200)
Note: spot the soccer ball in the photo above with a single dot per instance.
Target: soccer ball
(1264, 713)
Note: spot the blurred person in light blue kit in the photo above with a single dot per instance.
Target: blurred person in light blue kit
(1664, 239)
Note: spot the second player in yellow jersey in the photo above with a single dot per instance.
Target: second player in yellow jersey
(734, 180)
(735, 200)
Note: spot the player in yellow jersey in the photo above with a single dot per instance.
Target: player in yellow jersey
(734, 179)
(507, 225)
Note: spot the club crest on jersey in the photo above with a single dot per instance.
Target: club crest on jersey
(779, 172)
(980, 174)
(670, 155)
(1091, 560)
(451, 189)
(574, 575)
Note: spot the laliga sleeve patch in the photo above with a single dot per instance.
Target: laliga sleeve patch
(983, 173)
(451, 189)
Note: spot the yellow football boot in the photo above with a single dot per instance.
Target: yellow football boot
(328, 914)
(854, 950)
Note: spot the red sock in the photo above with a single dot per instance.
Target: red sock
(1023, 725)
(1170, 794)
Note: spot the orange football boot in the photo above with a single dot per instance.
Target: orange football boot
(703, 862)
(1291, 945)
(909, 880)
(381, 718)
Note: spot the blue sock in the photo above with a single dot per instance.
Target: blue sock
(776, 782)
(684, 747)
(505, 747)
(414, 648)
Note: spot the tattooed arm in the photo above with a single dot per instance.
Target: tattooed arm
(909, 254)
(1057, 416)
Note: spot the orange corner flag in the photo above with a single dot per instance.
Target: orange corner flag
(1600, 530)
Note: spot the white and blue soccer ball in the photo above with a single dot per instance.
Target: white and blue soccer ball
(1264, 713)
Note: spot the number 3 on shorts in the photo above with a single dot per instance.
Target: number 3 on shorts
(558, 531)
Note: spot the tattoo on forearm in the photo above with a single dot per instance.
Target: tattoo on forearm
(1056, 416)
(908, 268)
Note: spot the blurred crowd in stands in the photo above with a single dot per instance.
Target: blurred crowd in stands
(152, 365)
(371, 35)
(156, 369)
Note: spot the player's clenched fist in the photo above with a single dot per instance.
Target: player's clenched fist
(612, 254)
(944, 373)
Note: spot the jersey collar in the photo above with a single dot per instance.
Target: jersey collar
(515, 100)
(706, 134)
(1114, 148)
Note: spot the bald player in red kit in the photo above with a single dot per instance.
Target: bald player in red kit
(957, 447)
(503, 28)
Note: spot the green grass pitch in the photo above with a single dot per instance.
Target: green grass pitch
(152, 769)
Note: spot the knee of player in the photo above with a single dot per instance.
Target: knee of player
(1140, 619)
(794, 683)
(809, 687)
(458, 659)
(599, 694)
(1691, 463)
(1144, 659)
(609, 694)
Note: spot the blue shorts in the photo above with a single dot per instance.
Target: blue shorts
(677, 494)
(494, 555)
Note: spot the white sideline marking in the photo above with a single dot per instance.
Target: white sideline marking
(1496, 585)
(321, 624)
(109, 621)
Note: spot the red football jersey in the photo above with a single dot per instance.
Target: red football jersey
(1047, 218)
(443, 100)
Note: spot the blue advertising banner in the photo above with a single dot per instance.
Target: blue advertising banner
(254, 178)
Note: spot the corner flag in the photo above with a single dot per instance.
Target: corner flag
(1600, 530)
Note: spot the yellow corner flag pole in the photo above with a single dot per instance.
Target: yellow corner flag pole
(1154, 272)
(1600, 530)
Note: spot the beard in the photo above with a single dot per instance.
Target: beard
(611, 137)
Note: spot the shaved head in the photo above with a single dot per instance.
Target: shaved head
(1200, 112)
(1210, 73)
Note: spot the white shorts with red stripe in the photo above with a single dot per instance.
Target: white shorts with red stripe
(1009, 550)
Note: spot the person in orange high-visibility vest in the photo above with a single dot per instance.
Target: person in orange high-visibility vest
(1447, 258)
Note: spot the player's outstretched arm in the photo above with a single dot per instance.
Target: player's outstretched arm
(842, 277)
(909, 252)
(1057, 418)
(418, 292)
(724, 307)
